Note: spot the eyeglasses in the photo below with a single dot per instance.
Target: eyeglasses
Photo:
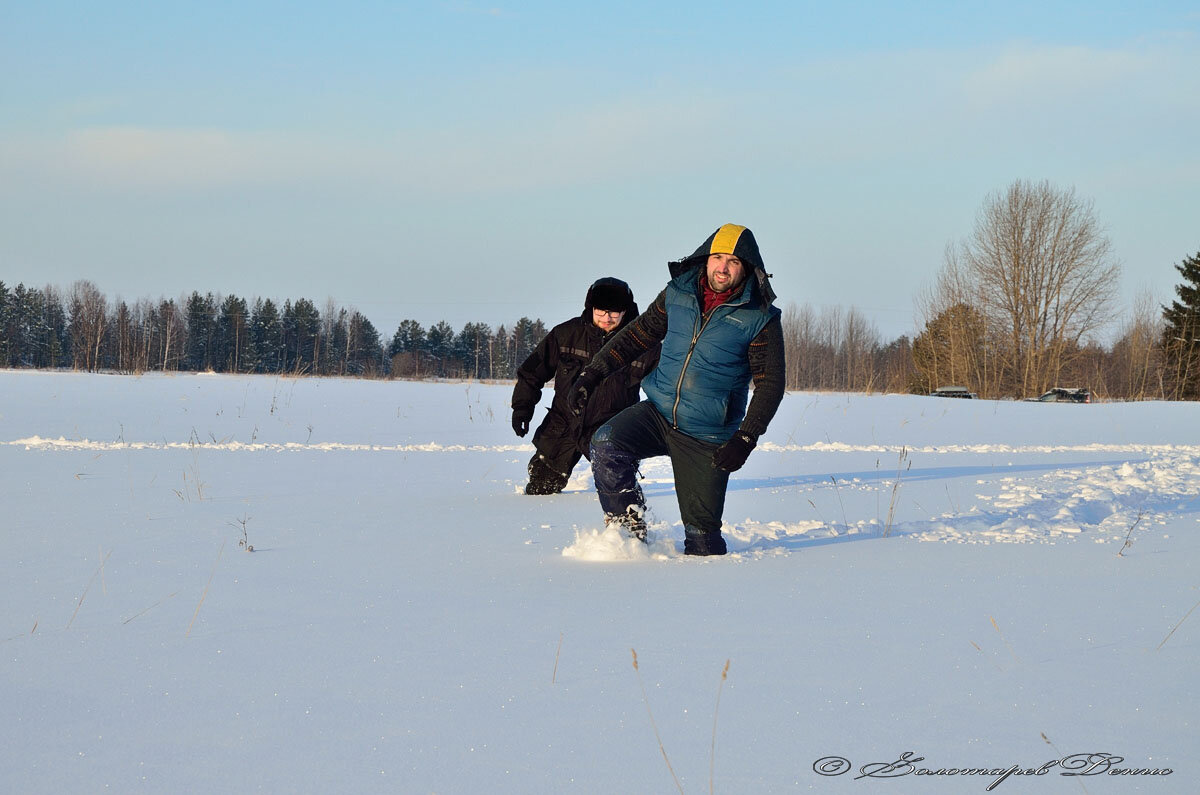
(615, 315)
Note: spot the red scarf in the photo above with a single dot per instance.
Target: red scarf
(713, 299)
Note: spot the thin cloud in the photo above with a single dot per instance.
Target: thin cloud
(1057, 74)
(556, 149)
(140, 158)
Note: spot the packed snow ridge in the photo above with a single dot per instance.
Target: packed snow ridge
(62, 443)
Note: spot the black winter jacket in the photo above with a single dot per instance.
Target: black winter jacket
(560, 356)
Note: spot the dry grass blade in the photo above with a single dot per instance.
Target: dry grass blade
(22, 634)
(204, 595)
(1172, 632)
(845, 521)
(887, 529)
(148, 609)
(818, 510)
(712, 759)
(654, 725)
(554, 675)
(1006, 643)
(1129, 536)
(83, 595)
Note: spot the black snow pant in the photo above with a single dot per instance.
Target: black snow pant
(641, 432)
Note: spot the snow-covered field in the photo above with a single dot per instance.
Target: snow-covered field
(986, 585)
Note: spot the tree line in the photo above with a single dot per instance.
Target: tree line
(1155, 354)
(1016, 309)
(81, 329)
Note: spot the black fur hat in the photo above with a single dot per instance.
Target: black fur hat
(610, 294)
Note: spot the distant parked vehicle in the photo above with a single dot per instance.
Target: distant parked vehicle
(1062, 395)
(953, 392)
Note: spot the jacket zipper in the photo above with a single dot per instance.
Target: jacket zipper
(704, 318)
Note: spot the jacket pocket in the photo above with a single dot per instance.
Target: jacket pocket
(568, 370)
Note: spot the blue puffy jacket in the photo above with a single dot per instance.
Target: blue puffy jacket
(702, 382)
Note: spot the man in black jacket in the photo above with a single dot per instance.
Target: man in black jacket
(563, 437)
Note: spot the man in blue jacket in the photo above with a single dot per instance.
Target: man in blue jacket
(719, 332)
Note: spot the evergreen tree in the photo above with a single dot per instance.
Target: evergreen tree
(287, 353)
(169, 337)
(32, 316)
(407, 350)
(52, 343)
(526, 336)
(1181, 336)
(266, 337)
(301, 335)
(7, 326)
(364, 349)
(440, 346)
(499, 359)
(951, 349)
(471, 347)
(201, 314)
(409, 338)
(232, 338)
(17, 334)
(18, 330)
(336, 348)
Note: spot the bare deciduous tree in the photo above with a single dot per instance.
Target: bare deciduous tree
(958, 345)
(1041, 272)
(837, 348)
(1136, 362)
(88, 324)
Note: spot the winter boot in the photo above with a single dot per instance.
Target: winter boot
(699, 542)
(633, 521)
(543, 479)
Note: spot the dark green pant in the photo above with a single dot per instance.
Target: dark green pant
(641, 432)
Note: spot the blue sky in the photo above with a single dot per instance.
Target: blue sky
(477, 162)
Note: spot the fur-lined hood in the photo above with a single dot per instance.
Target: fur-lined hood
(738, 241)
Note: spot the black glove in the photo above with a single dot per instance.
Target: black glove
(731, 455)
(582, 390)
(521, 421)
